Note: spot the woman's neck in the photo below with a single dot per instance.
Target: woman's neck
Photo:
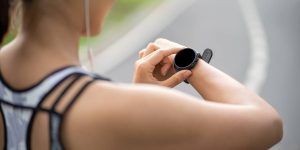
(50, 38)
(38, 49)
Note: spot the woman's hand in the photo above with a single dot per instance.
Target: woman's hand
(155, 64)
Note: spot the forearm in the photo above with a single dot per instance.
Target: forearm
(214, 85)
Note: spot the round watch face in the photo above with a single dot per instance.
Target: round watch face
(185, 59)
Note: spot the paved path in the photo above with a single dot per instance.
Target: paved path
(220, 25)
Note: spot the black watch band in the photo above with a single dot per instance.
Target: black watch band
(187, 59)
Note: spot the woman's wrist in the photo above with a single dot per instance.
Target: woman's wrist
(209, 82)
(198, 72)
(214, 85)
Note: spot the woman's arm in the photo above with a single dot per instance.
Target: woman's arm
(134, 117)
(148, 117)
(215, 85)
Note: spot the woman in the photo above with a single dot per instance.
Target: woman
(49, 102)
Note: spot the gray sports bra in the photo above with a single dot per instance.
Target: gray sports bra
(20, 108)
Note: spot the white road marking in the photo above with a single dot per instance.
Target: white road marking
(147, 29)
(258, 68)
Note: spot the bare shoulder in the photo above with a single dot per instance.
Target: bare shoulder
(105, 108)
(88, 117)
(119, 116)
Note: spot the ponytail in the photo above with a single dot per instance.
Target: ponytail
(4, 18)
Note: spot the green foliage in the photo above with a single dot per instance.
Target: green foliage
(120, 11)
(123, 8)
(9, 38)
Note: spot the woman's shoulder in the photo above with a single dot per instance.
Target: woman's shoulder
(88, 117)
(100, 107)
(121, 116)
(106, 106)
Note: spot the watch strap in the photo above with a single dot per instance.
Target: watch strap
(206, 56)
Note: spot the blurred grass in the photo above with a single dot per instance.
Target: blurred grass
(9, 37)
(120, 11)
(123, 8)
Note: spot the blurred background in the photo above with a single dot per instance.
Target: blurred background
(255, 41)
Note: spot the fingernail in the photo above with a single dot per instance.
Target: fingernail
(187, 73)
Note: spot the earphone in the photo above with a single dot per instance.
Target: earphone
(88, 33)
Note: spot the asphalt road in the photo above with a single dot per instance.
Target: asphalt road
(220, 26)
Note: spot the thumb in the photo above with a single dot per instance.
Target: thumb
(177, 78)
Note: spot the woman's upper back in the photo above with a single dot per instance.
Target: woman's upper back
(32, 118)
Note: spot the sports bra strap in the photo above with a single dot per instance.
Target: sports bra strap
(57, 121)
(42, 108)
(65, 91)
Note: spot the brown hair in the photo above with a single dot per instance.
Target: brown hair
(4, 18)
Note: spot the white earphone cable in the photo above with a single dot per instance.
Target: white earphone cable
(88, 33)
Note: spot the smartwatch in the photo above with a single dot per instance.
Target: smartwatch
(187, 59)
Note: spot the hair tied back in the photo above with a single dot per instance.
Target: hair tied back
(4, 18)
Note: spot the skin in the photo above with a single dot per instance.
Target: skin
(147, 114)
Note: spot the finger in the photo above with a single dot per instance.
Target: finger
(165, 68)
(141, 53)
(167, 63)
(167, 60)
(150, 49)
(157, 56)
(177, 78)
(165, 44)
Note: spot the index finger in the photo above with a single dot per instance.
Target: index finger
(150, 49)
(165, 44)
(157, 56)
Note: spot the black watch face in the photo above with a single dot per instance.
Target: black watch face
(185, 58)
